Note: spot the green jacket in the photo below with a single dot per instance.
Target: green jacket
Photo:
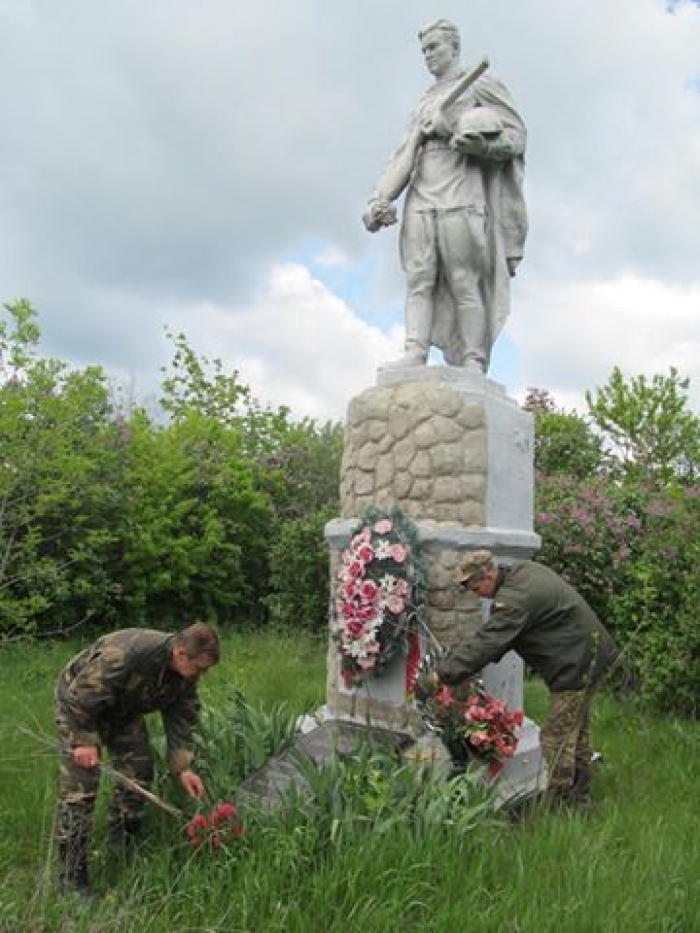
(551, 626)
(123, 676)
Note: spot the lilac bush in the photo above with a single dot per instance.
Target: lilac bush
(633, 552)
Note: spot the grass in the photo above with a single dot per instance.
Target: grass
(634, 866)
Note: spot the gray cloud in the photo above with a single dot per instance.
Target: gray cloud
(164, 155)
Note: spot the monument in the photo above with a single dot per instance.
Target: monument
(441, 443)
(444, 443)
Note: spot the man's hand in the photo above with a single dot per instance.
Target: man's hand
(87, 756)
(426, 685)
(191, 783)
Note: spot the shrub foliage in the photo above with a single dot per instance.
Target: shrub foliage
(627, 536)
(214, 506)
(213, 509)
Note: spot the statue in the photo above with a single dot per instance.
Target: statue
(465, 221)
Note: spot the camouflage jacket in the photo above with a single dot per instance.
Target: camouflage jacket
(120, 677)
(545, 620)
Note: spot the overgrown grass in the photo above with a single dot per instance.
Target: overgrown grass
(633, 866)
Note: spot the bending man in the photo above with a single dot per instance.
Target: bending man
(534, 612)
(101, 699)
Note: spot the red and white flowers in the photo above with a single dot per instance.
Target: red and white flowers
(474, 726)
(375, 597)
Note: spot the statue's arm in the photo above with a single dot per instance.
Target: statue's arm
(380, 210)
(511, 141)
(397, 172)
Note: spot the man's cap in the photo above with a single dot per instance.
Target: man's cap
(473, 565)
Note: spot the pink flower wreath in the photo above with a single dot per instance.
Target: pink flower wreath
(378, 598)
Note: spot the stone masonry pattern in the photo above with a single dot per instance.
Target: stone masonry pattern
(421, 447)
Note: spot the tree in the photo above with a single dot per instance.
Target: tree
(194, 530)
(564, 441)
(647, 430)
(216, 511)
(58, 457)
(294, 466)
(305, 469)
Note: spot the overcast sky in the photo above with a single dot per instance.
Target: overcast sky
(203, 165)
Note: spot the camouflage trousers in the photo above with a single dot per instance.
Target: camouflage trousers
(129, 748)
(566, 743)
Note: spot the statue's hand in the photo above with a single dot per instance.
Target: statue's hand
(379, 213)
(473, 144)
(435, 125)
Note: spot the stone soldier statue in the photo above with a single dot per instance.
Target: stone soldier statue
(101, 698)
(465, 221)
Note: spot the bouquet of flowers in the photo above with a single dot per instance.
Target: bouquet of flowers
(215, 830)
(471, 723)
(378, 595)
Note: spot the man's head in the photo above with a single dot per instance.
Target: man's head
(440, 44)
(195, 649)
(478, 573)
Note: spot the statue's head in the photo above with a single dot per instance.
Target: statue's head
(440, 44)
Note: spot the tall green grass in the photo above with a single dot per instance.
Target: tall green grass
(633, 866)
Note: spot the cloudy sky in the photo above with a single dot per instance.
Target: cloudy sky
(202, 166)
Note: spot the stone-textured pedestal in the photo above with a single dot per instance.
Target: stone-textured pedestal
(455, 454)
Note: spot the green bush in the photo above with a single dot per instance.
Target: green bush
(59, 481)
(117, 518)
(590, 531)
(634, 554)
(299, 576)
(194, 527)
(655, 613)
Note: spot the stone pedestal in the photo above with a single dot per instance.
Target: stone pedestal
(455, 454)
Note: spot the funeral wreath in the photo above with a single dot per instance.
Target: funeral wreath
(379, 597)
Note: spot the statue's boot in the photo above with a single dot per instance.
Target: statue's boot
(417, 340)
(472, 328)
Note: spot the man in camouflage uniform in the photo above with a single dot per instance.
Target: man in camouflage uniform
(101, 699)
(534, 612)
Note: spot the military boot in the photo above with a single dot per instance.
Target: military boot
(73, 868)
(123, 829)
(581, 789)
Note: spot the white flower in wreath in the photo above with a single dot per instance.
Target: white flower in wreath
(388, 583)
(382, 550)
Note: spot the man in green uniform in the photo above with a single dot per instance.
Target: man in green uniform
(101, 699)
(535, 613)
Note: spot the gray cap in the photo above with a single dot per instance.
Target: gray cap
(473, 565)
(479, 121)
